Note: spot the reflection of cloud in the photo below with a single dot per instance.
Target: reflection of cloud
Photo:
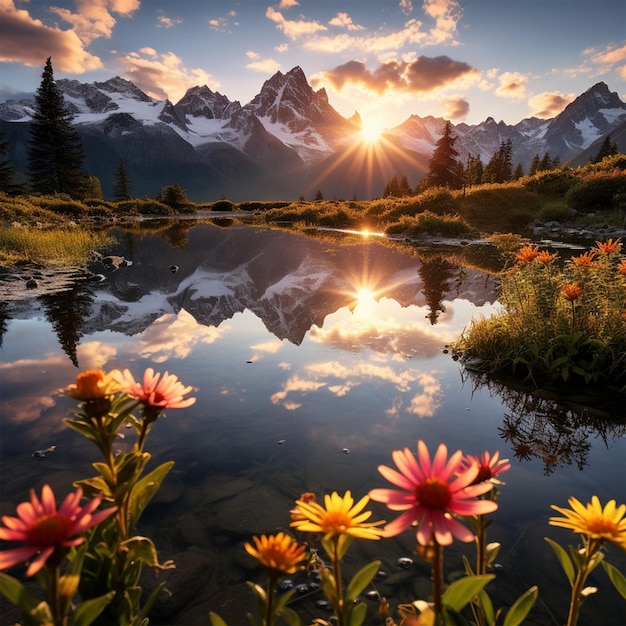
(175, 336)
(295, 383)
(340, 380)
(268, 347)
(94, 355)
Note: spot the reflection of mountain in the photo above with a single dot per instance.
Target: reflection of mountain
(289, 281)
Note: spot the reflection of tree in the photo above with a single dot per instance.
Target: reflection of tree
(552, 429)
(66, 311)
(436, 273)
(4, 318)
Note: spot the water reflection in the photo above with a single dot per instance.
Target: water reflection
(312, 361)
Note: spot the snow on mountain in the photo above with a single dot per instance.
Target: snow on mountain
(287, 141)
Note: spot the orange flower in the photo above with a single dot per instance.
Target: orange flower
(92, 385)
(571, 292)
(585, 260)
(277, 553)
(608, 246)
(621, 268)
(527, 254)
(545, 257)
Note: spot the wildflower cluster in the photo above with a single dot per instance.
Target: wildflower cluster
(560, 321)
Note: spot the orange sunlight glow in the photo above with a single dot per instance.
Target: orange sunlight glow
(371, 132)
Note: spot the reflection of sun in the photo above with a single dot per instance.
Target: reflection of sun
(365, 296)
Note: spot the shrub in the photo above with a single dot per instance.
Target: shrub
(598, 192)
(143, 207)
(556, 210)
(551, 182)
(223, 206)
(427, 222)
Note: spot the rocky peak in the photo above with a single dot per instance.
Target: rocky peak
(124, 87)
(202, 102)
(94, 100)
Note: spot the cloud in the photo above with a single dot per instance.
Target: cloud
(283, 47)
(265, 66)
(512, 86)
(343, 20)
(287, 4)
(406, 6)
(94, 18)
(167, 22)
(163, 75)
(293, 28)
(27, 40)
(447, 14)
(549, 104)
(456, 108)
(423, 75)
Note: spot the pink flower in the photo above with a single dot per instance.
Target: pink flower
(43, 529)
(431, 493)
(488, 466)
(164, 392)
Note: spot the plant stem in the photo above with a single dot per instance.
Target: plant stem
(338, 583)
(438, 582)
(271, 586)
(579, 583)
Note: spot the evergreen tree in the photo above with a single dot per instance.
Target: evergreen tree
(122, 184)
(519, 172)
(6, 171)
(534, 166)
(319, 195)
(474, 170)
(546, 163)
(393, 188)
(405, 188)
(608, 148)
(445, 170)
(55, 153)
(500, 167)
(173, 195)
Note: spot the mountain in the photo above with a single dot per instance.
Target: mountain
(288, 141)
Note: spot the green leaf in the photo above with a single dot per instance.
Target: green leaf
(520, 609)
(564, 560)
(13, 590)
(142, 549)
(487, 606)
(84, 428)
(216, 620)
(88, 611)
(145, 489)
(357, 615)
(617, 578)
(361, 580)
(149, 603)
(461, 592)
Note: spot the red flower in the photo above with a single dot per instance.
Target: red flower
(585, 260)
(608, 246)
(431, 493)
(488, 466)
(545, 257)
(571, 292)
(621, 268)
(43, 529)
(527, 254)
(160, 392)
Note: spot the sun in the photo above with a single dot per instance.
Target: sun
(371, 131)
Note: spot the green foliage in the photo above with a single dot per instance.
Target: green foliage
(554, 210)
(596, 193)
(429, 223)
(144, 207)
(553, 183)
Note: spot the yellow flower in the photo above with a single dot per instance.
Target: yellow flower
(606, 524)
(92, 385)
(278, 553)
(339, 517)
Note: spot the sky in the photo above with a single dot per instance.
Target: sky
(462, 60)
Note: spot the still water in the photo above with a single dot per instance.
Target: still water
(312, 360)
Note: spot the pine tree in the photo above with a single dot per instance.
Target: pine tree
(55, 153)
(6, 171)
(445, 170)
(608, 148)
(534, 166)
(405, 188)
(519, 172)
(393, 188)
(546, 163)
(474, 170)
(500, 167)
(122, 184)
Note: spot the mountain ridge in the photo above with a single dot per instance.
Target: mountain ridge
(288, 141)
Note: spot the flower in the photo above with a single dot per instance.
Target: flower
(93, 385)
(585, 260)
(43, 529)
(527, 254)
(545, 257)
(608, 524)
(432, 492)
(306, 497)
(621, 268)
(164, 392)
(571, 292)
(279, 553)
(488, 466)
(340, 517)
(608, 246)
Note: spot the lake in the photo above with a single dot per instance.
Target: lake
(312, 358)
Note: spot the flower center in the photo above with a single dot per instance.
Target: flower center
(49, 530)
(433, 493)
(601, 526)
(336, 522)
